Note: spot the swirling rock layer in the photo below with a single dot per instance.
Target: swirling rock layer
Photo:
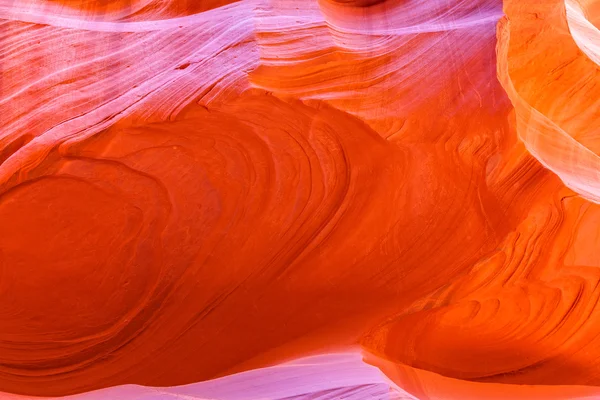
(190, 190)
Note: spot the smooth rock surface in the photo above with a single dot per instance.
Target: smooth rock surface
(190, 190)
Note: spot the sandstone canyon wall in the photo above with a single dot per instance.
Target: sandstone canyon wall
(290, 199)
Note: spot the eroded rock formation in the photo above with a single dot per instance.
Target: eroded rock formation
(190, 190)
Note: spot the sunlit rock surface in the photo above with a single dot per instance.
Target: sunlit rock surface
(190, 190)
(324, 377)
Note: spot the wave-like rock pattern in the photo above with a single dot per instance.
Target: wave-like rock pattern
(322, 377)
(190, 190)
(557, 103)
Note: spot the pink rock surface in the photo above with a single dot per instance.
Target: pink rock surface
(323, 377)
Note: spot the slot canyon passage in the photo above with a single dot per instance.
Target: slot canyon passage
(286, 199)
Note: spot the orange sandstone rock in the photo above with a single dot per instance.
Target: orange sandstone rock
(189, 191)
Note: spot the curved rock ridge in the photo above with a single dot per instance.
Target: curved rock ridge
(85, 75)
(326, 376)
(329, 377)
(427, 385)
(192, 190)
(110, 10)
(192, 203)
(382, 65)
(557, 103)
(585, 34)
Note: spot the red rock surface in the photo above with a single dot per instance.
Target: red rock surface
(194, 189)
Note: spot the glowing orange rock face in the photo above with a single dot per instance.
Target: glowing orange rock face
(189, 191)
